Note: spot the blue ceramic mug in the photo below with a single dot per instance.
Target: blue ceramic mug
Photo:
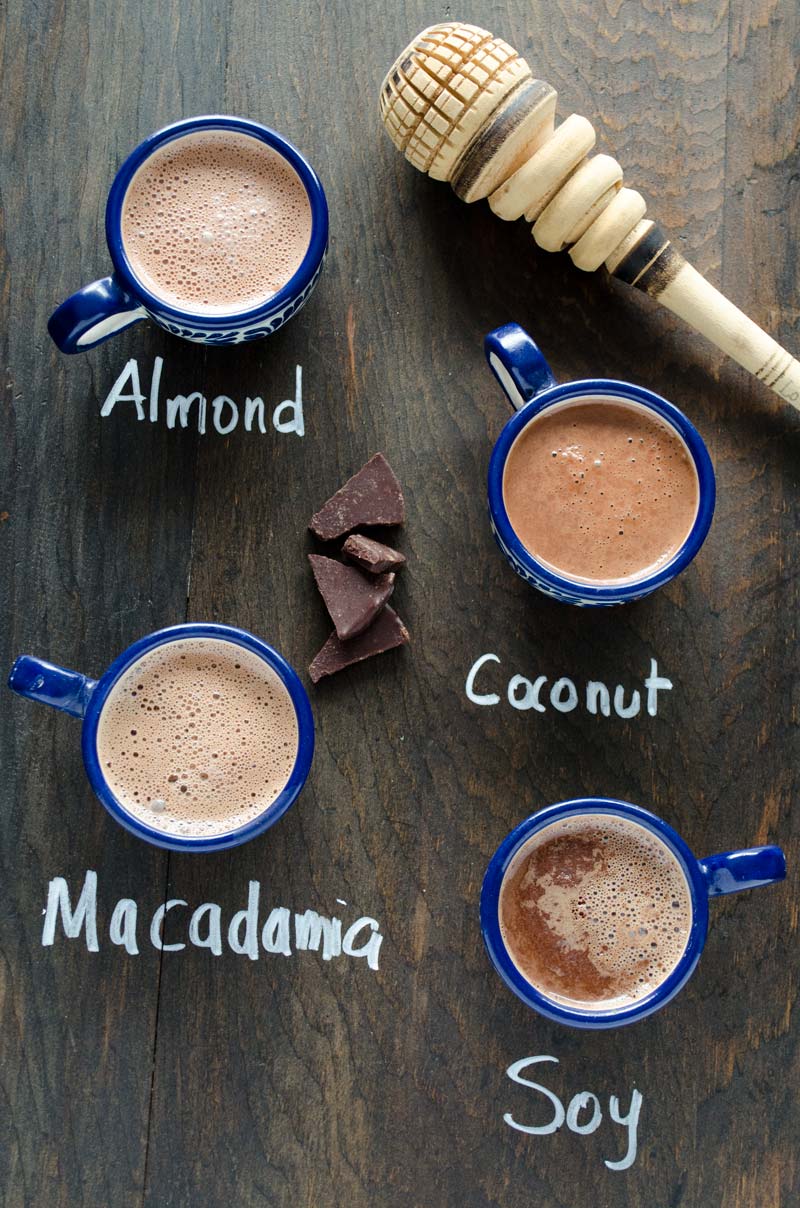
(85, 698)
(727, 872)
(525, 376)
(100, 310)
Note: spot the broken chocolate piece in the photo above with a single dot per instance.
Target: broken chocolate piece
(371, 555)
(387, 632)
(352, 598)
(372, 496)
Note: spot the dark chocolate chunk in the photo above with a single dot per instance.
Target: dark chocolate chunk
(352, 598)
(387, 632)
(372, 496)
(371, 555)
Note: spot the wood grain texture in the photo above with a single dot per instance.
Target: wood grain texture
(201, 1080)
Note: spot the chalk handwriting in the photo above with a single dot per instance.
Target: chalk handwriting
(278, 930)
(583, 1115)
(222, 413)
(562, 695)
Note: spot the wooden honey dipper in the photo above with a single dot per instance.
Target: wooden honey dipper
(464, 107)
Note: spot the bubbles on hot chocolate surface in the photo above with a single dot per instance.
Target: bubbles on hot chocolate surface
(198, 737)
(595, 910)
(216, 222)
(600, 490)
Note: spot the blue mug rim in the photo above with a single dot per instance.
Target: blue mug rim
(498, 952)
(305, 743)
(629, 589)
(217, 121)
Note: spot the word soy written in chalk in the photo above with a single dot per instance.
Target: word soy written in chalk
(281, 931)
(562, 694)
(583, 1115)
(222, 412)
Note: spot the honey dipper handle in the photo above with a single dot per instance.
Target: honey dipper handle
(652, 264)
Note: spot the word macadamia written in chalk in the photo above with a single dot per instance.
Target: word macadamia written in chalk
(485, 683)
(221, 413)
(583, 1115)
(173, 925)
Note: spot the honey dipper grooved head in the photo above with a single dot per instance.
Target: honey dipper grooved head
(463, 106)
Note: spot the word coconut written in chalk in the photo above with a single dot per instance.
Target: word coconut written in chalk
(221, 412)
(562, 694)
(281, 932)
(584, 1104)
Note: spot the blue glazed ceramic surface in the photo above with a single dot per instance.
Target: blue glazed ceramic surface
(101, 309)
(530, 387)
(82, 697)
(727, 872)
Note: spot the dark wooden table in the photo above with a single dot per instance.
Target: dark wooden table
(184, 1078)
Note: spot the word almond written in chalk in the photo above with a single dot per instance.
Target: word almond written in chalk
(562, 695)
(220, 413)
(277, 931)
(583, 1115)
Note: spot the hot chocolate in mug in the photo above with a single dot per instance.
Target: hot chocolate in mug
(197, 737)
(100, 310)
(568, 457)
(595, 912)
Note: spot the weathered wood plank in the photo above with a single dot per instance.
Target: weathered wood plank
(288, 1081)
(96, 552)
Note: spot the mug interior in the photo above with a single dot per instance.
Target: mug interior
(174, 832)
(191, 129)
(506, 863)
(638, 400)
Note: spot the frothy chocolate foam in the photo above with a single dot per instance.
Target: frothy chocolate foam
(601, 490)
(595, 911)
(215, 222)
(198, 737)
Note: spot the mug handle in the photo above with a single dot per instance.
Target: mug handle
(517, 363)
(731, 871)
(92, 315)
(51, 685)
